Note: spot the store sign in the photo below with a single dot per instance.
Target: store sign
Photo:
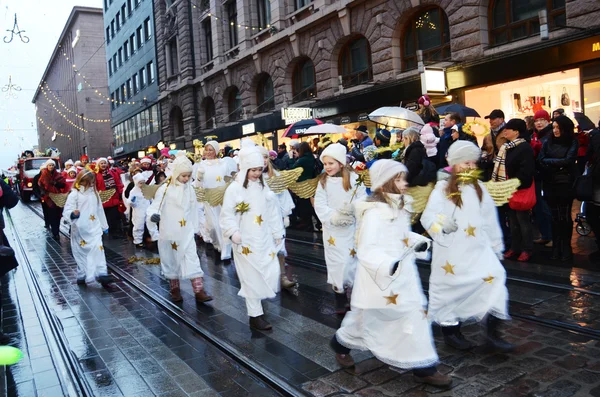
(119, 150)
(345, 120)
(363, 117)
(596, 47)
(433, 81)
(412, 106)
(293, 115)
(248, 129)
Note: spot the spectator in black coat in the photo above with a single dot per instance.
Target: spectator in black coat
(557, 161)
(421, 170)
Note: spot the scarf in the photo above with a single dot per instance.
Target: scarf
(499, 173)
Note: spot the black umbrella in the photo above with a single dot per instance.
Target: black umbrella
(300, 127)
(463, 110)
(584, 121)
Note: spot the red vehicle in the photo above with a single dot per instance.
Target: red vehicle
(28, 169)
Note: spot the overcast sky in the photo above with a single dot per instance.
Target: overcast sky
(42, 21)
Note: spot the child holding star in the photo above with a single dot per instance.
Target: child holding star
(174, 210)
(337, 188)
(388, 314)
(251, 219)
(467, 279)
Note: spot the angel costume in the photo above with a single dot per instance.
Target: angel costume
(250, 217)
(202, 232)
(86, 233)
(175, 204)
(140, 205)
(333, 207)
(211, 174)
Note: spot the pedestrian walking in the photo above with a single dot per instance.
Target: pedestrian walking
(389, 316)
(52, 181)
(84, 211)
(250, 217)
(467, 279)
(174, 210)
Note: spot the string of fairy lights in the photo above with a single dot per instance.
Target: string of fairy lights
(53, 130)
(44, 91)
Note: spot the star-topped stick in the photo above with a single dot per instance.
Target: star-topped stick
(242, 207)
(359, 182)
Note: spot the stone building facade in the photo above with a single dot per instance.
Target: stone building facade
(225, 63)
(73, 114)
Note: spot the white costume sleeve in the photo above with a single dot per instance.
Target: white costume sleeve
(322, 208)
(275, 220)
(229, 221)
(155, 206)
(101, 215)
(286, 203)
(194, 210)
(491, 222)
(434, 217)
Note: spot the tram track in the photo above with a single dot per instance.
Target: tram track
(275, 382)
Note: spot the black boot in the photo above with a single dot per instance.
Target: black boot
(105, 281)
(494, 340)
(341, 300)
(454, 338)
(260, 323)
(567, 235)
(556, 241)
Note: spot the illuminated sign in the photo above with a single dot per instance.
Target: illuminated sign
(596, 47)
(248, 129)
(293, 115)
(433, 81)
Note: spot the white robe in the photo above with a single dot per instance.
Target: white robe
(286, 205)
(178, 224)
(256, 257)
(201, 218)
(138, 217)
(214, 176)
(388, 314)
(467, 280)
(86, 233)
(340, 250)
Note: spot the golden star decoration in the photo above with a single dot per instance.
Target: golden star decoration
(258, 219)
(489, 279)
(246, 251)
(391, 300)
(448, 268)
(174, 245)
(219, 179)
(352, 252)
(92, 218)
(406, 241)
(272, 255)
(182, 222)
(242, 207)
(331, 241)
(470, 231)
(82, 243)
(101, 248)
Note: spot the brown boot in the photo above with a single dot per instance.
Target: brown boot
(345, 360)
(260, 323)
(437, 380)
(175, 291)
(199, 293)
(285, 281)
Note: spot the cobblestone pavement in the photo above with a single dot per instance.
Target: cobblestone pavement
(548, 361)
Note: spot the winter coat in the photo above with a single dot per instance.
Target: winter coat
(559, 169)
(115, 200)
(520, 164)
(421, 170)
(584, 140)
(8, 199)
(307, 162)
(51, 182)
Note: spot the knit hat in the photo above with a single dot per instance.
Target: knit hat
(336, 151)
(138, 178)
(518, 125)
(461, 151)
(73, 170)
(541, 114)
(49, 162)
(181, 164)
(101, 159)
(84, 157)
(249, 157)
(384, 170)
(247, 143)
(146, 160)
(383, 135)
(77, 163)
(362, 128)
(69, 162)
(272, 153)
(110, 160)
(214, 144)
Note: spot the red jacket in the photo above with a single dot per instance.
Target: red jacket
(51, 182)
(536, 144)
(584, 142)
(115, 200)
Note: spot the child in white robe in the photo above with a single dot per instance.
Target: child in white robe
(388, 315)
(140, 205)
(250, 217)
(84, 211)
(467, 279)
(174, 210)
(338, 189)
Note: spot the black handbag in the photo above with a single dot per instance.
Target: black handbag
(584, 188)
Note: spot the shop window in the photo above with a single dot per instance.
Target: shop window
(232, 23)
(234, 102)
(512, 20)
(209, 112)
(265, 97)
(355, 62)
(176, 118)
(264, 13)
(429, 32)
(303, 81)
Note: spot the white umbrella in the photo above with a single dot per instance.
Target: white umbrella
(325, 128)
(396, 117)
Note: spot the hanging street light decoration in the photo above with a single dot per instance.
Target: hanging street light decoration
(11, 89)
(15, 31)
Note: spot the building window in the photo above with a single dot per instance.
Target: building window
(139, 39)
(234, 102)
(427, 31)
(105, 5)
(301, 3)
(136, 83)
(137, 3)
(108, 34)
(126, 49)
(265, 97)
(147, 30)
(173, 57)
(176, 118)
(143, 80)
(112, 28)
(232, 21)
(115, 63)
(129, 91)
(150, 72)
(355, 62)
(112, 101)
(303, 84)
(120, 56)
(264, 13)
(118, 19)
(210, 112)
(514, 20)
(208, 45)
(123, 18)
(132, 43)
(129, 7)
(117, 98)
(110, 67)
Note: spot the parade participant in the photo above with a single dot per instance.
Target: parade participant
(336, 191)
(139, 205)
(147, 171)
(388, 315)
(109, 179)
(40, 194)
(52, 181)
(160, 177)
(84, 161)
(286, 205)
(70, 179)
(68, 165)
(251, 219)
(467, 279)
(84, 211)
(174, 210)
(211, 174)
(77, 165)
